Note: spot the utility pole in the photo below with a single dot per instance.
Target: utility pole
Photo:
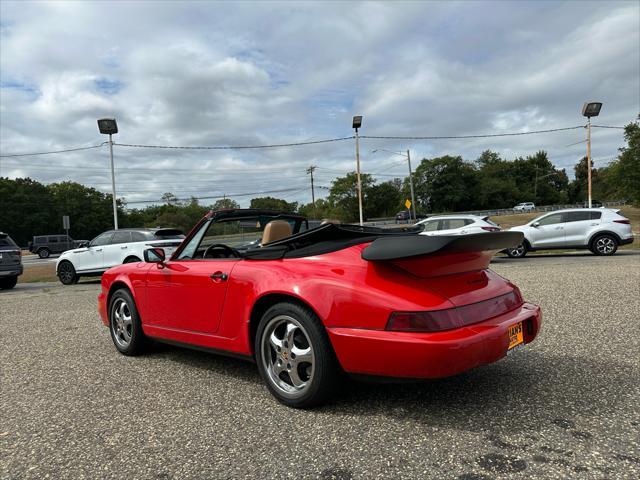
(413, 198)
(357, 123)
(535, 187)
(113, 186)
(589, 157)
(310, 171)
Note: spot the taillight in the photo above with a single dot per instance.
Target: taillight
(491, 229)
(625, 221)
(447, 319)
(424, 321)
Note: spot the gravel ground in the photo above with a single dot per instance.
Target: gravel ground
(566, 406)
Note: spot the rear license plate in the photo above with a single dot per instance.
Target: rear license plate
(516, 336)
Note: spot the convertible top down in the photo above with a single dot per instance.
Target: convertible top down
(306, 303)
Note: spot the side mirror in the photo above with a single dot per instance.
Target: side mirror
(154, 255)
(535, 224)
(84, 244)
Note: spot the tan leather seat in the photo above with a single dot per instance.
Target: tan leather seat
(275, 230)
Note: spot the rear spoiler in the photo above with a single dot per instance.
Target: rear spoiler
(429, 256)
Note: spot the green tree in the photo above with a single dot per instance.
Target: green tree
(383, 200)
(446, 184)
(27, 208)
(224, 204)
(624, 173)
(343, 196)
(270, 203)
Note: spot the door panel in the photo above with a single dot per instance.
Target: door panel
(184, 296)
(87, 259)
(550, 232)
(579, 226)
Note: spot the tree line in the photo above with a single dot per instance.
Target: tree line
(442, 184)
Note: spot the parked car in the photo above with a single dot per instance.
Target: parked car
(10, 262)
(403, 216)
(594, 204)
(524, 207)
(306, 306)
(45, 245)
(113, 248)
(457, 225)
(600, 230)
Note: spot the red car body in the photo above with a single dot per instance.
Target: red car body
(357, 300)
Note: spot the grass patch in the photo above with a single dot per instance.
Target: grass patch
(39, 273)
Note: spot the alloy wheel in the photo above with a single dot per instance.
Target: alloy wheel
(66, 273)
(287, 356)
(121, 323)
(518, 251)
(605, 245)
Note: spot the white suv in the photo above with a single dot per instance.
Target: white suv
(524, 207)
(113, 248)
(456, 225)
(600, 230)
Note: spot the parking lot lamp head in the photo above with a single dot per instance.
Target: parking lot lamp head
(591, 109)
(108, 126)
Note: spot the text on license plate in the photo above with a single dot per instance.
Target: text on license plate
(516, 336)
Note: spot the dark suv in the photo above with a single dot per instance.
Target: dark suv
(45, 245)
(10, 262)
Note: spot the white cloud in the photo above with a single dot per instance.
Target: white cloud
(199, 73)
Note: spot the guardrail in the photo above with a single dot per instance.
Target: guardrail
(496, 212)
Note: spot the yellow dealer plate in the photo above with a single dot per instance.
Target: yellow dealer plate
(516, 336)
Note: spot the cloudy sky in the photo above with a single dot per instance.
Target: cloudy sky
(247, 73)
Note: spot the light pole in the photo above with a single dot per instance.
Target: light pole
(108, 126)
(590, 109)
(408, 156)
(357, 123)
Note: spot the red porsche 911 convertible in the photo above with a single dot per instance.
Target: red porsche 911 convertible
(307, 304)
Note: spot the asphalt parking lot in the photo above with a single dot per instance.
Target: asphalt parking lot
(566, 406)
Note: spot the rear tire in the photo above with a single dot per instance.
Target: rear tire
(604, 245)
(44, 253)
(518, 252)
(295, 357)
(131, 260)
(8, 282)
(124, 324)
(67, 273)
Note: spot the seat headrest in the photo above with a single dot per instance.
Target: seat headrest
(276, 230)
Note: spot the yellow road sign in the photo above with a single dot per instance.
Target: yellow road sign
(407, 204)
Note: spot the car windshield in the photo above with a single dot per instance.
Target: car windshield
(241, 234)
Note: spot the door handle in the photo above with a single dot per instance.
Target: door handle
(123, 247)
(98, 250)
(219, 276)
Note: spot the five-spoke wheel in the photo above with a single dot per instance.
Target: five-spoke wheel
(294, 355)
(124, 323)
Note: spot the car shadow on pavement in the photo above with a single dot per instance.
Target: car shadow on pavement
(533, 388)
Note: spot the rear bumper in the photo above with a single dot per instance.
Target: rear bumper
(430, 355)
(12, 271)
(626, 241)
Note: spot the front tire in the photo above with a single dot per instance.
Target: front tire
(8, 283)
(44, 253)
(604, 245)
(67, 273)
(518, 252)
(295, 357)
(124, 324)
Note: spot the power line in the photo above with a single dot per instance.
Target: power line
(488, 135)
(236, 147)
(230, 195)
(607, 126)
(53, 151)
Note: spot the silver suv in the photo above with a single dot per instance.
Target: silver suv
(10, 262)
(600, 230)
